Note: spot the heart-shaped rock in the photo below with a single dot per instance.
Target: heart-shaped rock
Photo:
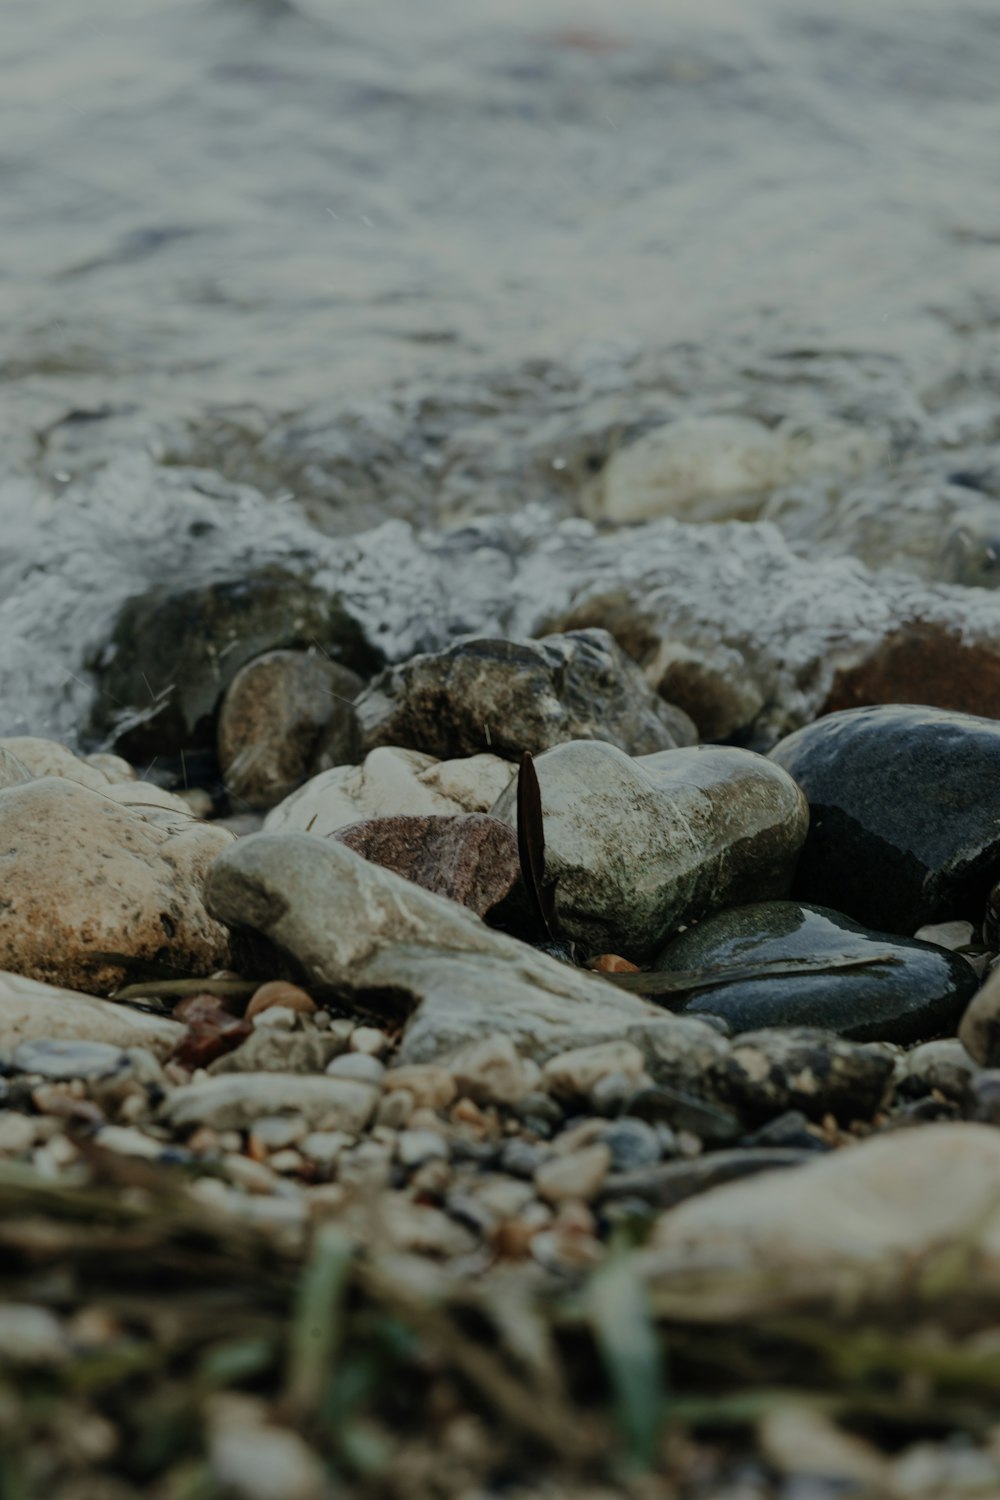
(637, 847)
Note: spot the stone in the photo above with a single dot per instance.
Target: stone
(427, 1085)
(174, 650)
(93, 891)
(765, 1073)
(236, 1101)
(40, 757)
(632, 1144)
(686, 1112)
(860, 1223)
(905, 813)
(278, 992)
(492, 1071)
(356, 1065)
(398, 945)
(943, 1067)
(416, 1146)
(250, 1459)
(68, 1058)
(979, 1029)
(668, 1183)
(864, 985)
(472, 859)
(635, 848)
(267, 1050)
(370, 1039)
(32, 1337)
(387, 784)
(508, 697)
(32, 1011)
(576, 1175)
(713, 468)
(574, 1074)
(285, 716)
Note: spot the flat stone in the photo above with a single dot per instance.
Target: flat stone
(859, 1222)
(506, 697)
(905, 813)
(93, 890)
(573, 1074)
(765, 1073)
(637, 847)
(895, 989)
(472, 859)
(356, 1065)
(671, 1182)
(32, 1011)
(285, 716)
(400, 946)
(390, 783)
(269, 1051)
(492, 1071)
(68, 1058)
(236, 1101)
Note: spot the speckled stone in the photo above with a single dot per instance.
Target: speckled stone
(766, 1073)
(905, 813)
(471, 859)
(920, 994)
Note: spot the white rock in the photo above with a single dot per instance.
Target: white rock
(579, 1174)
(416, 1146)
(387, 782)
(233, 1101)
(492, 1071)
(32, 1011)
(573, 1074)
(264, 1462)
(31, 1335)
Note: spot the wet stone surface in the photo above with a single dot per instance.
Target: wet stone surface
(868, 986)
(472, 860)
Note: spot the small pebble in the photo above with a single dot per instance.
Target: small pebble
(371, 1040)
(68, 1059)
(394, 1110)
(362, 1065)
(416, 1146)
(578, 1175)
(427, 1084)
(324, 1146)
(277, 992)
(632, 1143)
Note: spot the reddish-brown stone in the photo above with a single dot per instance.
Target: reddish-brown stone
(472, 860)
(923, 662)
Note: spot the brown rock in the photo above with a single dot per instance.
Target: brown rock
(613, 963)
(286, 715)
(472, 860)
(89, 886)
(925, 661)
(280, 992)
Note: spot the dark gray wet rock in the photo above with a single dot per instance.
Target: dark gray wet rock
(904, 822)
(766, 1073)
(285, 716)
(792, 1130)
(942, 1067)
(633, 1144)
(174, 650)
(868, 986)
(63, 1060)
(472, 860)
(682, 1111)
(506, 697)
(636, 847)
(669, 1183)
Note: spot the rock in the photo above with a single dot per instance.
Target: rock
(236, 1101)
(32, 1337)
(492, 1071)
(31, 1011)
(711, 468)
(632, 1144)
(41, 757)
(862, 1222)
(905, 813)
(414, 1147)
(270, 1051)
(506, 697)
(86, 881)
(427, 1085)
(979, 1031)
(286, 715)
(576, 1175)
(765, 1073)
(943, 1067)
(278, 992)
(356, 1065)
(471, 859)
(174, 650)
(671, 1182)
(679, 1056)
(573, 1074)
(68, 1058)
(688, 1112)
(387, 784)
(868, 986)
(637, 847)
(393, 941)
(250, 1459)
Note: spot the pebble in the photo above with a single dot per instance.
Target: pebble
(356, 1065)
(705, 827)
(632, 1144)
(394, 1109)
(511, 696)
(274, 1046)
(580, 1174)
(686, 1112)
(979, 1029)
(492, 1071)
(324, 1146)
(905, 808)
(277, 992)
(64, 1059)
(471, 859)
(920, 994)
(32, 1337)
(252, 1460)
(275, 1132)
(285, 715)
(237, 1101)
(766, 1073)
(416, 1146)
(574, 1074)
(944, 1066)
(369, 1039)
(17, 1133)
(428, 1085)
(671, 1182)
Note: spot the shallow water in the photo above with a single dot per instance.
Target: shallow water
(417, 263)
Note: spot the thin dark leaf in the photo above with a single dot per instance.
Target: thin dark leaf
(531, 847)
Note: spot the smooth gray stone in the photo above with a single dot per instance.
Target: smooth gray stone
(920, 994)
(66, 1059)
(637, 847)
(355, 928)
(672, 1182)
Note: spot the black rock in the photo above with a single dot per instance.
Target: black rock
(671, 1182)
(766, 1073)
(792, 1130)
(904, 813)
(486, 694)
(682, 1111)
(865, 985)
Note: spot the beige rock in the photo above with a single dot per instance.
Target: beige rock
(50, 758)
(85, 880)
(280, 992)
(235, 1100)
(388, 782)
(428, 1085)
(857, 1224)
(979, 1031)
(492, 1071)
(32, 1011)
(573, 1074)
(577, 1175)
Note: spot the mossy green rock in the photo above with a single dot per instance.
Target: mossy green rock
(874, 987)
